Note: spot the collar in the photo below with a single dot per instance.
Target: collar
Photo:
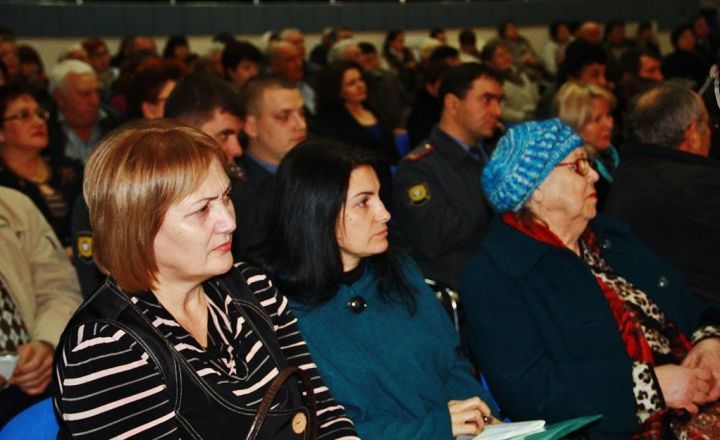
(516, 253)
(610, 152)
(452, 148)
(102, 115)
(649, 151)
(270, 168)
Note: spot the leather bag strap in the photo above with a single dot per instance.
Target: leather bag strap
(272, 391)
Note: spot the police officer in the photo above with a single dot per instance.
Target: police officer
(440, 210)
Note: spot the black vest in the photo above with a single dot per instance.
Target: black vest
(201, 412)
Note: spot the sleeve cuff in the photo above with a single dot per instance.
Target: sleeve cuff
(708, 331)
(646, 390)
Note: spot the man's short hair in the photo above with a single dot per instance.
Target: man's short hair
(578, 55)
(252, 91)
(237, 51)
(443, 53)
(467, 37)
(630, 60)
(367, 48)
(337, 51)
(458, 80)
(198, 95)
(678, 31)
(131, 180)
(661, 115)
(488, 50)
(59, 72)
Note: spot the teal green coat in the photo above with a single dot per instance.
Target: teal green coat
(393, 372)
(543, 332)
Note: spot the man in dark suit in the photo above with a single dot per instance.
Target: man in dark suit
(667, 189)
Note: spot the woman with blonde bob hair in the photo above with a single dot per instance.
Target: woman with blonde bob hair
(179, 341)
(588, 109)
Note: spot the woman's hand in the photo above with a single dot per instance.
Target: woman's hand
(466, 416)
(706, 355)
(684, 387)
(34, 368)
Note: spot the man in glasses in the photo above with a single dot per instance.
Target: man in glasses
(667, 189)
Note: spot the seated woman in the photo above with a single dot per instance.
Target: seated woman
(379, 337)
(569, 314)
(53, 182)
(178, 342)
(340, 95)
(588, 109)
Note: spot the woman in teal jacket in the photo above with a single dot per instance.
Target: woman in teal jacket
(381, 340)
(569, 314)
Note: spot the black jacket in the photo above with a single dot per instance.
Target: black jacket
(671, 200)
(440, 210)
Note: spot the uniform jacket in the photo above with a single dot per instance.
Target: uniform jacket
(440, 211)
(35, 268)
(393, 373)
(671, 201)
(542, 330)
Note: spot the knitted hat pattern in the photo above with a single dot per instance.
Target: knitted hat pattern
(524, 157)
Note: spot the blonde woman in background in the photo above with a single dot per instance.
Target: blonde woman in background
(588, 109)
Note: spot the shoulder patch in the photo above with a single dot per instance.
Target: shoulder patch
(85, 246)
(420, 152)
(418, 193)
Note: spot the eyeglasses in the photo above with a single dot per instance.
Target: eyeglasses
(581, 166)
(26, 115)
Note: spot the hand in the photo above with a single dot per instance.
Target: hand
(466, 416)
(683, 387)
(706, 355)
(34, 368)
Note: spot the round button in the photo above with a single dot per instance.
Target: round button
(299, 423)
(663, 282)
(606, 244)
(357, 304)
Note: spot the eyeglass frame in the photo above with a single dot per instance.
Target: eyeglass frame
(27, 115)
(581, 171)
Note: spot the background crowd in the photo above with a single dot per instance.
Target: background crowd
(633, 124)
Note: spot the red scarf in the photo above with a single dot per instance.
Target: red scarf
(626, 318)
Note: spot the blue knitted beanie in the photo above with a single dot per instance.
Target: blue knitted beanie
(523, 158)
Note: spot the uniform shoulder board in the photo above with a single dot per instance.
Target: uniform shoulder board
(420, 152)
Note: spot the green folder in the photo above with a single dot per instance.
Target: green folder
(560, 429)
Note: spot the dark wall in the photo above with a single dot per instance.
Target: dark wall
(32, 19)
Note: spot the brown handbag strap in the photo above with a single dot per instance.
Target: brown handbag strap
(272, 391)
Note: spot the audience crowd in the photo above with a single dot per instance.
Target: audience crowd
(561, 202)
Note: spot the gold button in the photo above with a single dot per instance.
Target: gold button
(299, 423)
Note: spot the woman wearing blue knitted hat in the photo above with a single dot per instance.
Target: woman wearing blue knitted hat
(570, 315)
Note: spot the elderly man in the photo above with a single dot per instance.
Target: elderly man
(666, 188)
(38, 294)
(77, 118)
(440, 210)
(286, 61)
